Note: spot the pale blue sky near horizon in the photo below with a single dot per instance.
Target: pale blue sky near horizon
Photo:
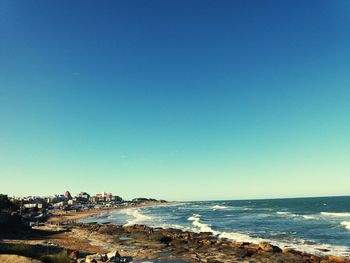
(178, 100)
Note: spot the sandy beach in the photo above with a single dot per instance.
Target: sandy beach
(59, 216)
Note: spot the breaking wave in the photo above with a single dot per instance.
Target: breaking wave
(296, 243)
(335, 214)
(174, 226)
(201, 227)
(215, 207)
(286, 214)
(308, 217)
(286, 225)
(135, 216)
(289, 214)
(346, 224)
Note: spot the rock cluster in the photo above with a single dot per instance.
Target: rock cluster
(113, 256)
(202, 247)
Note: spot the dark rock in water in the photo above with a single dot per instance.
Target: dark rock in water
(267, 247)
(323, 249)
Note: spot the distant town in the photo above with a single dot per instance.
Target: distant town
(35, 209)
(67, 201)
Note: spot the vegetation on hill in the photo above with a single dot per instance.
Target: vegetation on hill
(33, 252)
(6, 204)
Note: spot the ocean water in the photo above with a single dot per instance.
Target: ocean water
(316, 225)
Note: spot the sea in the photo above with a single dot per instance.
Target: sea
(316, 225)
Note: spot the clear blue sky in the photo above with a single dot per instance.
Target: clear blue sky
(184, 100)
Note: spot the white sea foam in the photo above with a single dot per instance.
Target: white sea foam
(215, 207)
(201, 227)
(195, 218)
(308, 217)
(136, 216)
(346, 224)
(335, 214)
(175, 226)
(240, 237)
(298, 244)
(282, 213)
(289, 214)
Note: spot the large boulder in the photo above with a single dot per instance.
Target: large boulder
(93, 258)
(267, 247)
(114, 255)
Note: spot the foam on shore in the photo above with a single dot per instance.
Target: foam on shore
(346, 224)
(295, 243)
(135, 216)
(335, 214)
(200, 221)
(201, 226)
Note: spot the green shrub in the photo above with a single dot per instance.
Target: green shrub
(18, 249)
(28, 251)
(56, 258)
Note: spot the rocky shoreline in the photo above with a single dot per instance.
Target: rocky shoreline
(194, 247)
(93, 242)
